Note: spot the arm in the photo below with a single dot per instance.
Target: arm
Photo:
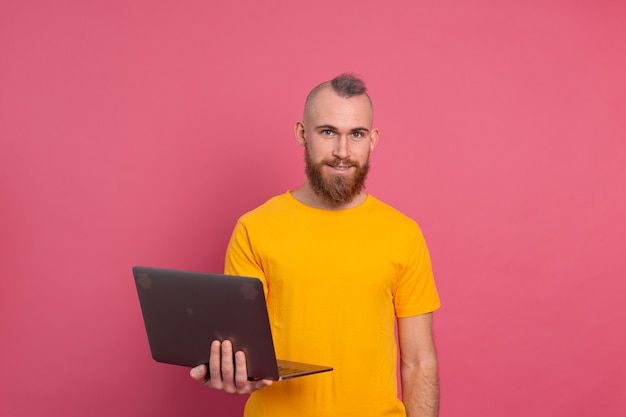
(418, 366)
(225, 374)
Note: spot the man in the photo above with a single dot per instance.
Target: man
(338, 267)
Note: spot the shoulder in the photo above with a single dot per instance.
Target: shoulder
(394, 223)
(274, 206)
(389, 213)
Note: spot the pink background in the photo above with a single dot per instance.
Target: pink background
(136, 132)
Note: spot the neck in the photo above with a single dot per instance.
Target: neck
(307, 196)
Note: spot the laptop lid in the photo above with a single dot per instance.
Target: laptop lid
(185, 311)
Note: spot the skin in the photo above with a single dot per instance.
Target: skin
(338, 127)
(418, 366)
(224, 374)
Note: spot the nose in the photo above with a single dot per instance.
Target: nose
(341, 150)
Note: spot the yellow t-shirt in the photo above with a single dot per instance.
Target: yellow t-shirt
(334, 282)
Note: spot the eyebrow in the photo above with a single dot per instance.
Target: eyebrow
(331, 127)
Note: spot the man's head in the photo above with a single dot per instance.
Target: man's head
(338, 137)
(345, 85)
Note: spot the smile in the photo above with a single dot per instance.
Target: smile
(341, 168)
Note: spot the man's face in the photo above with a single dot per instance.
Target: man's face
(335, 189)
(338, 138)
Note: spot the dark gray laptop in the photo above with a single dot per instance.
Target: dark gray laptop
(185, 311)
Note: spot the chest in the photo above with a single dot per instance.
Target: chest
(318, 261)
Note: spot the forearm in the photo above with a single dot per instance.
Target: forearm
(420, 389)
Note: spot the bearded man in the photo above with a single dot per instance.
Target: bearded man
(340, 269)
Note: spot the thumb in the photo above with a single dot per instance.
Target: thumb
(198, 373)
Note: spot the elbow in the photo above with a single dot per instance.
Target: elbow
(426, 365)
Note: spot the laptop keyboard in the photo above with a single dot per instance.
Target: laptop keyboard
(283, 370)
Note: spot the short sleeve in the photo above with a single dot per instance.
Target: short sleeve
(415, 291)
(240, 258)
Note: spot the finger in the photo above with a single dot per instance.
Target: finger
(262, 383)
(215, 366)
(241, 371)
(228, 371)
(199, 373)
(244, 386)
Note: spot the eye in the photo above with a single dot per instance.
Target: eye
(357, 135)
(327, 132)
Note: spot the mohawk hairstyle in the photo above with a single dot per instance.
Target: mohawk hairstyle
(348, 85)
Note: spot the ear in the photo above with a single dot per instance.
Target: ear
(374, 139)
(299, 130)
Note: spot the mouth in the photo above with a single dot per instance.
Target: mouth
(340, 168)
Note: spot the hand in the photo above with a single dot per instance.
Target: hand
(225, 374)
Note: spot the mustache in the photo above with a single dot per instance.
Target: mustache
(335, 162)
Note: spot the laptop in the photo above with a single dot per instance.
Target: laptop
(185, 311)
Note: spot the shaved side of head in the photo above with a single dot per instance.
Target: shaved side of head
(346, 85)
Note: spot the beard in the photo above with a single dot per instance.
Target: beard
(335, 190)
